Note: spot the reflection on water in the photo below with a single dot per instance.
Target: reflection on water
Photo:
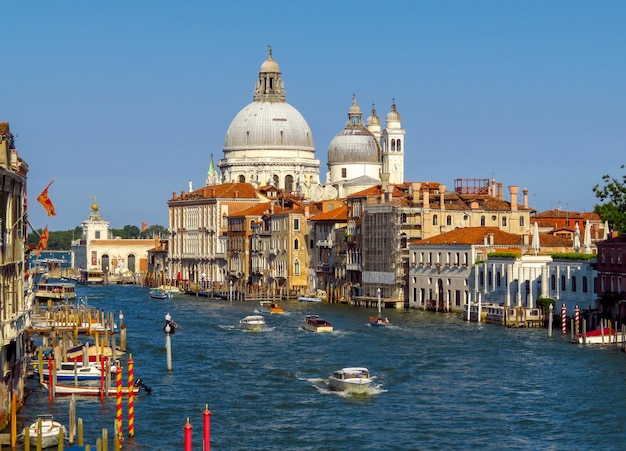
(440, 383)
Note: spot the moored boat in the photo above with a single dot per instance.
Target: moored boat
(270, 307)
(51, 431)
(252, 322)
(314, 323)
(76, 371)
(604, 335)
(88, 390)
(350, 380)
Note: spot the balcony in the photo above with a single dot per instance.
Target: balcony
(324, 243)
(324, 267)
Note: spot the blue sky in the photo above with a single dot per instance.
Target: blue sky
(126, 101)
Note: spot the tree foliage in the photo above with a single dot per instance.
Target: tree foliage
(613, 194)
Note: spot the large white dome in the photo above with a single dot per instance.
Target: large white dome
(269, 125)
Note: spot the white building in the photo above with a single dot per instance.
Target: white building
(118, 259)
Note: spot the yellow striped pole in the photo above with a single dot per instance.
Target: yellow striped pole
(131, 398)
(118, 386)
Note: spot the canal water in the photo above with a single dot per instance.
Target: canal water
(440, 383)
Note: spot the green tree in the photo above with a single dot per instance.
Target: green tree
(613, 194)
(155, 229)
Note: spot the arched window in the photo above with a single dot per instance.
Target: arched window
(585, 284)
(563, 283)
(393, 145)
(521, 221)
(504, 221)
(296, 244)
(553, 282)
(434, 220)
(296, 267)
(131, 263)
(398, 145)
(105, 263)
(482, 221)
(449, 220)
(242, 179)
(289, 183)
(573, 284)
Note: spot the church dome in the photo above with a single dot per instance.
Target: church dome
(373, 119)
(269, 125)
(393, 115)
(269, 65)
(354, 145)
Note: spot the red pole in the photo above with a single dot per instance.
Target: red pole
(563, 319)
(187, 429)
(576, 319)
(131, 397)
(207, 428)
(118, 392)
(50, 378)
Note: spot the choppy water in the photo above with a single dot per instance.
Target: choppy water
(441, 383)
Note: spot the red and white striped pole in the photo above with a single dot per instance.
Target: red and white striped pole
(576, 319)
(188, 429)
(131, 397)
(563, 319)
(207, 428)
(118, 392)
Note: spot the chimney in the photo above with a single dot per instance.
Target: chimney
(499, 190)
(525, 197)
(385, 179)
(442, 196)
(513, 190)
(426, 198)
(307, 212)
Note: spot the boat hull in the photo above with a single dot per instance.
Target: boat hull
(51, 432)
(309, 299)
(313, 323)
(599, 336)
(350, 380)
(85, 390)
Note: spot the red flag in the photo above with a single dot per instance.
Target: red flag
(43, 242)
(45, 200)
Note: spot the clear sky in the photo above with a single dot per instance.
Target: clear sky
(125, 101)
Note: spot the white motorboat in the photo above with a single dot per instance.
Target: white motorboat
(316, 324)
(252, 322)
(59, 291)
(50, 431)
(350, 380)
(76, 371)
(310, 299)
(601, 336)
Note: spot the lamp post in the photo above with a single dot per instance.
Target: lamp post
(230, 292)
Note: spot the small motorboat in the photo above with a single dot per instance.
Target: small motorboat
(314, 323)
(252, 322)
(50, 431)
(94, 390)
(310, 299)
(378, 321)
(350, 380)
(159, 293)
(604, 335)
(76, 371)
(270, 307)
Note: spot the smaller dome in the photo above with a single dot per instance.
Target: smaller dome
(373, 119)
(354, 108)
(354, 145)
(393, 115)
(269, 65)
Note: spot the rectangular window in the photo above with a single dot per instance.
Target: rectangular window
(296, 223)
(344, 172)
